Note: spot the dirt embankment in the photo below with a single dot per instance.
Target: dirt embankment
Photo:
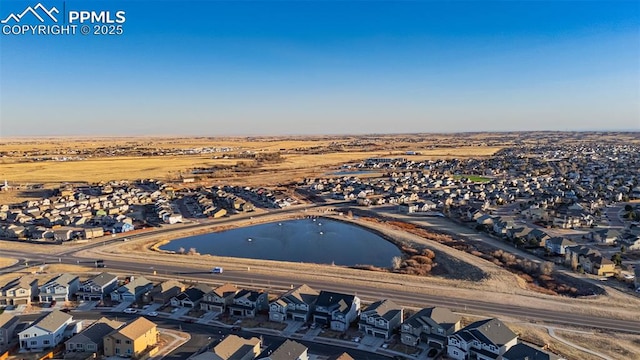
(539, 277)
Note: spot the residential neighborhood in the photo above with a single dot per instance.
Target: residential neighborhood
(302, 313)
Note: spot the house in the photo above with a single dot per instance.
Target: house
(8, 325)
(94, 232)
(190, 297)
(98, 287)
(482, 340)
(597, 264)
(19, 291)
(90, 339)
(380, 319)
(46, 332)
(247, 303)
(524, 351)
(297, 304)
(604, 236)
(431, 326)
(163, 292)
(132, 290)
(132, 340)
(336, 310)
(288, 350)
(60, 288)
(219, 298)
(63, 234)
(558, 245)
(233, 347)
(343, 356)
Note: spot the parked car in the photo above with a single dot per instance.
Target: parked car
(153, 313)
(130, 311)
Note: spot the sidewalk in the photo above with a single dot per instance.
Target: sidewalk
(179, 338)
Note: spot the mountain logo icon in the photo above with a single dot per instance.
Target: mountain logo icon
(39, 11)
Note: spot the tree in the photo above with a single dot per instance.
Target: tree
(181, 250)
(617, 259)
(396, 262)
(574, 261)
(546, 268)
(623, 249)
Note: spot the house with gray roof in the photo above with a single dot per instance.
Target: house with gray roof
(297, 304)
(288, 350)
(60, 288)
(524, 351)
(233, 347)
(97, 287)
(380, 319)
(247, 303)
(90, 339)
(8, 325)
(46, 332)
(336, 310)
(132, 290)
(430, 326)
(482, 340)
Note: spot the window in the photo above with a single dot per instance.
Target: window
(117, 350)
(127, 342)
(46, 342)
(34, 342)
(91, 347)
(118, 341)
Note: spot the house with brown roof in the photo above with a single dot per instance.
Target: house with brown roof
(163, 292)
(131, 340)
(343, 356)
(233, 347)
(297, 304)
(219, 298)
(430, 326)
(19, 291)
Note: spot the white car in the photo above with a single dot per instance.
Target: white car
(153, 313)
(130, 311)
(356, 339)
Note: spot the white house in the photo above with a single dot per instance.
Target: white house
(336, 310)
(380, 319)
(60, 288)
(46, 332)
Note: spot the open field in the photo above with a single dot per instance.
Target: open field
(614, 345)
(4, 262)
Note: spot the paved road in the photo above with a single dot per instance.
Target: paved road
(406, 297)
(207, 336)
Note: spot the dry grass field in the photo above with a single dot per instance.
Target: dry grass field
(4, 262)
(23, 161)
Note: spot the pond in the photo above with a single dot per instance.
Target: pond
(313, 240)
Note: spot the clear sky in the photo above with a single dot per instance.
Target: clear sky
(327, 67)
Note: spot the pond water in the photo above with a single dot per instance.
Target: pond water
(314, 240)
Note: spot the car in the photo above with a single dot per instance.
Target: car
(174, 310)
(153, 313)
(356, 339)
(385, 346)
(146, 307)
(217, 270)
(130, 311)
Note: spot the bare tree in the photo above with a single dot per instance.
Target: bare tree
(396, 262)
(181, 250)
(192, 251)
(546, 268)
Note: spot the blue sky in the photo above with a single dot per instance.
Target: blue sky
(330, 67)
